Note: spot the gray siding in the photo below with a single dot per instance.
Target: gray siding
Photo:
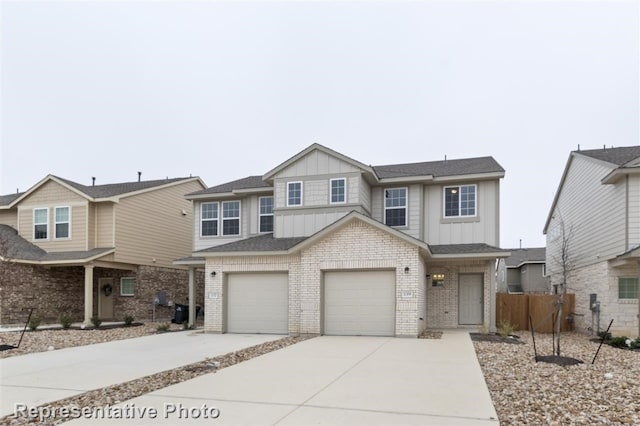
(306, 222)
(593, 213)
(317, 163)
(246, 226)
(633, 209)
(532, 279)
(513, 276)
(364, 197)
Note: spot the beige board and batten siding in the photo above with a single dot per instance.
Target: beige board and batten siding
(151, 225)
(481, 228)
(201, 243)
(414, 208)
(593, 213)
(51, 195)
(633, 211)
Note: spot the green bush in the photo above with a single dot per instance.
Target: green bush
(619, 342)
(34, 322)
(96, 321)
(128, 320)
(163, 328)
(605, 334)
(66, 321)
(505, 328)
(635, 344)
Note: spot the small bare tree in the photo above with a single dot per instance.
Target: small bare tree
(564, 259)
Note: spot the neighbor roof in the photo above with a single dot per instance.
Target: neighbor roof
(114, 189)
(618, 156)
(8, 199)
(465, 166)
(250, 182)
(527, 255)
(262, 243)
(475, 248)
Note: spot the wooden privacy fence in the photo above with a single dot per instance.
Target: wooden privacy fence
(516, 309)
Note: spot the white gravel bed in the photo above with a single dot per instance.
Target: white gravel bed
(528, 393)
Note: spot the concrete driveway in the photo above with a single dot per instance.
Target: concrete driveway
(334, 380)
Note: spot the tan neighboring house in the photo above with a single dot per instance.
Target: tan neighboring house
(598, 200)
(524, 272)
(325, 244)
(94, 250)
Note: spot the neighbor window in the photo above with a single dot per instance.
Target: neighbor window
(62, 215)
(460, 201)
(208, 219)
(231, 218)
(437, 280)
(294, 193)
(127, 286)
(628, 288)
(338, 190)
(395, 207)
(265, 215)
(40, 224)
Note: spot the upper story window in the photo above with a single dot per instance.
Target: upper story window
(460, 201)
(208, 219)
(294, 193)
(231, 218)
(628, 288)
(266, 214)
(395, 207)
(338, 191)
(40, 224)
(62, 224)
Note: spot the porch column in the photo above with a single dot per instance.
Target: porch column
(88, 293)
(192, 296)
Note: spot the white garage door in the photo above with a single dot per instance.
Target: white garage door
(360, 303)
(257, 303)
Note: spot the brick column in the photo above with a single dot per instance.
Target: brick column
(88, 293)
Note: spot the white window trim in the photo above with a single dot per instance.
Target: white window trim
(135, 284)
(260, 214)
(209, 220)
(222, 219)
(331, 189)
(301, 194)
(444, 202)
(406, 206)
(55, 222)
(33, 229)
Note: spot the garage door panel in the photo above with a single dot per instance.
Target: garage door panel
(257, 303)
(359, 303)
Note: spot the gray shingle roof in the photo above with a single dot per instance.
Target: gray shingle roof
(8, 199)
(519, 256)
(17, 248)
(249, 182)
(618, 156)
(463, 166)
(261, 243)
(113, 189)
(478, 248)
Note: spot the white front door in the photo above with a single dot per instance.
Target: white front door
(470, 300)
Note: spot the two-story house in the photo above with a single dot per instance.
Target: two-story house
(324, 244)
(596, 213)
(94, 250)
(524, 272)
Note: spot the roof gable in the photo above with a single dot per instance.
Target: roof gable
(250, 183)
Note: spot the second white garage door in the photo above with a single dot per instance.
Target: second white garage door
(360, 303)
(257, 303)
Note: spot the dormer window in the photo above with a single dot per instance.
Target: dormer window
(40, 224)
(338, 191)
(395, 207)
(460, 201)
(294, 193)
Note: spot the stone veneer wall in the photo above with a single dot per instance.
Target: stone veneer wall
(442, 302)
(58, 291)
(601, 279)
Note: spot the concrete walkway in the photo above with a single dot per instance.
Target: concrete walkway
(38, 378)
(332, 381)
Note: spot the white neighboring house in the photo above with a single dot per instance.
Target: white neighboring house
(598, 202)
(324, 244)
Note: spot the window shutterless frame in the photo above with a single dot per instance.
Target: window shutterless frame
(231, 218)
(127, 286)
(294, 194)
(396, 202)
(337, 191)
(209, 219)
(265, 214)
(460, 201)
(41, 224)
(62, 225)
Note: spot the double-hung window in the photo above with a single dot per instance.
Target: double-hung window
(231, 218)
(208, 219)
(395, 207)
(40, 224)
(63, 220)
(460, 201)
(294, 193)
(628, 288)
(266, 214)
(338, 191)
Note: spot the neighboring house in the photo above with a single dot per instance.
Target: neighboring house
(98, 250)
(324, 244)
(597, 209)
(523, 272)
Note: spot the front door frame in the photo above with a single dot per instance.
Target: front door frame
(482, 301)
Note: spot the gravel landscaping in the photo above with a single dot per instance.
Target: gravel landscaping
(525, 392)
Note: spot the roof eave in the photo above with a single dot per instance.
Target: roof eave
(479, 256)
(619, 173)
(244, 253)
(473, 176)
(116, 198)
(66, 262)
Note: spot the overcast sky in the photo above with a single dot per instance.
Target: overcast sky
(227, 89)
